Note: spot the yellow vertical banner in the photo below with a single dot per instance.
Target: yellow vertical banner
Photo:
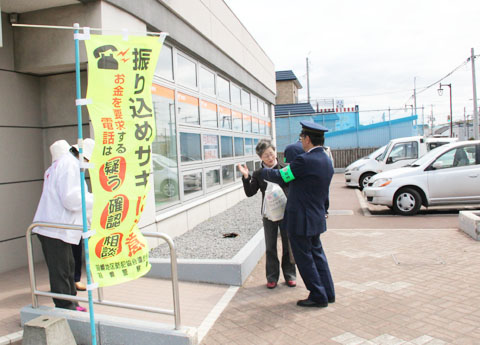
(120, 74)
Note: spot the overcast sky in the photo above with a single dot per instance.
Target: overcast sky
(369, 52)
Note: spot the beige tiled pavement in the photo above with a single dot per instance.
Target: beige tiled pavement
(399, 280)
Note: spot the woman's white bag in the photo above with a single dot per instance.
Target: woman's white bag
(274, 202)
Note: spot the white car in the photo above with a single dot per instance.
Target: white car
(447, 175)
(359, 172)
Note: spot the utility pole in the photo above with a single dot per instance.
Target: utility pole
(475, 109)
(431, 119)
(415, 95)
(308, 84)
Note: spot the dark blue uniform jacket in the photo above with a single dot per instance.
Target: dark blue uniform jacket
(305, 210)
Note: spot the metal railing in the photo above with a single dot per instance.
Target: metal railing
(173, 258)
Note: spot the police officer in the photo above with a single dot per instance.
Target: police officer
(309, 176)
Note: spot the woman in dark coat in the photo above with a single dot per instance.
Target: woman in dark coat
(251, 184)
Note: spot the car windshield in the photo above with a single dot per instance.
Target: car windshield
(427, 157)
(382, 156)
(377, 152)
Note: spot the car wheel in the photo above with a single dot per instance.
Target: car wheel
(364, 179)
(168, 188)
(407, 202)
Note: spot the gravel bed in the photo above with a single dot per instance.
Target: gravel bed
(206, 240)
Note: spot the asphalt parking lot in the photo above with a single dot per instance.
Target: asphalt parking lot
(398, 280)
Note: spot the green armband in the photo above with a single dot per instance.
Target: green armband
(286, 174)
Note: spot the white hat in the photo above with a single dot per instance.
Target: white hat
(58, 149)
(88, 145)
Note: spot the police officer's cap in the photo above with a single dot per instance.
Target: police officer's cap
(313, 127)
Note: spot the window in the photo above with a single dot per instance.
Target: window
(261, 126)
(223, 89)
(239, 150)
(210, 146)
(227, 147)
(247, 123)
(250, 166)
(209, 114)
(227, 173)
(403, 151)
(192, 182)
(261, 107)
(225, 117)
(268, 128)
(212, 178)
(254, 104)
(458, 157)
(165, 63)
(255, 125)
(207, 81)
(164, 147)
(238, 174)
(190, 148)
(248, 146)
(257, 165)
(237, 121)
(236, 95)
(188, 109)
(245, 100)
(186, 71)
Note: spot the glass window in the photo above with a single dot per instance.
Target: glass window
(207, 81)
(188, 109)
(239, 150)
(192, 182)
(250, 166)
(255, 125)
(227, 147)
(460, 156)
(245, 100)
(237, 121)
(261, 107)
(238, 174)
(236, 95)
(223, 89)
(248, 146)
(247, 123)
(255, 142)
(209, 114)
(212, 178)
(225, 117)
(210, 146)
(261, 126)
(190, 148)
(254, 104)
(403, 151)
(227, 173)
(164, 147)
(269, 128)
(186, 71)
(165, 63)
(257, 165)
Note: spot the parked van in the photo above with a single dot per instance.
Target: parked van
(400, 152)
(359, 172)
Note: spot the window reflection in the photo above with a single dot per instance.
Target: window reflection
(186, 71)
(212, 178)
(209, 114)
(237, 121)
(236, 95)
(257, 165)
(188, 109)
(210, 146)
(239, 150)
(250, 166)
(255, 125)
(223, 89)
(245, 100)
(247, 123)
(207, 81)
(165, 63)
(225, 115)
(190, 147)
(227, 147)
(164, 147)
(227, 173)
(248, 146)
(192, 182)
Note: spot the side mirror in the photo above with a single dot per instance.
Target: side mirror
(389, 160)
(437, 165)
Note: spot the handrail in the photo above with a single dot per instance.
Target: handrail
(173, 264)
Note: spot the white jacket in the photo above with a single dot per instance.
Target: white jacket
(61, 200)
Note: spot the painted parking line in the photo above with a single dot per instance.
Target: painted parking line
(363, 203)
(340, 212)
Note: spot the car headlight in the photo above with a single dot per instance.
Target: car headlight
(382, 182)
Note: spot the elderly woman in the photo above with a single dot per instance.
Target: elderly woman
(251, 184)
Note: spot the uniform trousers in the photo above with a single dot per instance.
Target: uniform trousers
(61, 269)
(272, 265)
(313, 267)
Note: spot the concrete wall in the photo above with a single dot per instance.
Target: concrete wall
(210, 31)
(287, 93)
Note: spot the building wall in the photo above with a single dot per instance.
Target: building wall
(287, 92)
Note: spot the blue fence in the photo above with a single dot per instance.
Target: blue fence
(345, 131)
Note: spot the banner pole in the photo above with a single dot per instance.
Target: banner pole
(82, 184)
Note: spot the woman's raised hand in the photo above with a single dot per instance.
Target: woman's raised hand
(243, 169)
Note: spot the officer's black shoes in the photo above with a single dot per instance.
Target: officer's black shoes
(331, 300)
(312, 304)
